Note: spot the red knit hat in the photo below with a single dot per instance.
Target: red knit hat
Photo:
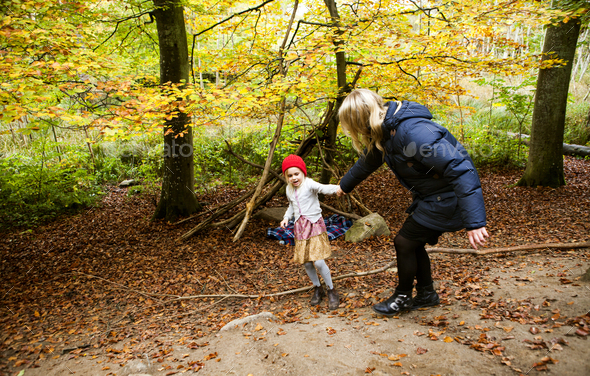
(294, 161)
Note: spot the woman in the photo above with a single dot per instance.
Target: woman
(433, 166)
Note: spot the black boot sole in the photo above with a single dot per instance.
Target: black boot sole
(391, 314)
(425, 306)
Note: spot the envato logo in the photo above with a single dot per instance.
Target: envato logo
(139, 151)
(444, 149)
(175, 150)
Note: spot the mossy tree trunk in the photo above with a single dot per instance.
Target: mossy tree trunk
(545, 162)
(177, 197)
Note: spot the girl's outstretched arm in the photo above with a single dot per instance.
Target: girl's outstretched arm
(327, 189)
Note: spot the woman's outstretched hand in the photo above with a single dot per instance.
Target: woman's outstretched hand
(340, 192)
(477, 236)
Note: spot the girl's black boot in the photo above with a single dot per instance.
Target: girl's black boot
(318, 294)
(333, 299)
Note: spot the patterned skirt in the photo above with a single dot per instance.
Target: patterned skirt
(311, 241)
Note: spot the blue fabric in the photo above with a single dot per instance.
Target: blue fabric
(431, 164)
(336, 226)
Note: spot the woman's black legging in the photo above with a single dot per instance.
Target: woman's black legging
(412, 261)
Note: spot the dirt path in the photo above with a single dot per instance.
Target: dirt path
(457, 338)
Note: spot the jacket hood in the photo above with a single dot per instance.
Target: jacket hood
(407, 111)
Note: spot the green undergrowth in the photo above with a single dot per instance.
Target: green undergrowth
(43, 179)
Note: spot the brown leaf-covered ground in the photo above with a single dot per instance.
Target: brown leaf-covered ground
(94, 289)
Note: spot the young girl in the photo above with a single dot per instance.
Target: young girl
(433, 166)
(312, 245)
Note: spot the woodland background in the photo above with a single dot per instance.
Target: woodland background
(197, 102)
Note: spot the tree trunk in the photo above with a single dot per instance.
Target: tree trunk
(332, 127)
(177, 197)
(545, 162)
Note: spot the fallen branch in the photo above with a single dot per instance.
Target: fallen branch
(358, 202)
(177, 298)
(146, 294)
(233, 221)
(568, 149)
(300, 289)
(518, 248)
(218, 213)
(393, 263)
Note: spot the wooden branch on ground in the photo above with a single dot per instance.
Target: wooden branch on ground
(221, 210)
(518, 248)
(233, 221)
(300, 289)
(568, 149)
(176, 298)
(146, 294)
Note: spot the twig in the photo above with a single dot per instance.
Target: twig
(196, 310)
(147, 294)
(300, 289)
(359, 203)
(224, 281)
(519, 248)
(369, 272)
(391, 264)
(232, 16)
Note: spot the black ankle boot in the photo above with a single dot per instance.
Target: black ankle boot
(398, 302)
(425, 297)
(318, 294)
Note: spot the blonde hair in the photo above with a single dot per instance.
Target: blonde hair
(361, 115)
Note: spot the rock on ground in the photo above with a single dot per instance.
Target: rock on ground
(371, 225)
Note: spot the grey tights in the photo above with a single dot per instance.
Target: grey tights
(322, 268)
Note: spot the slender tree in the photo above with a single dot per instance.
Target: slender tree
(545, 162)
(332, 123)
(177, 195)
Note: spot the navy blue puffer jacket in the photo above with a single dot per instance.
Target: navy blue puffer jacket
(431, 164)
